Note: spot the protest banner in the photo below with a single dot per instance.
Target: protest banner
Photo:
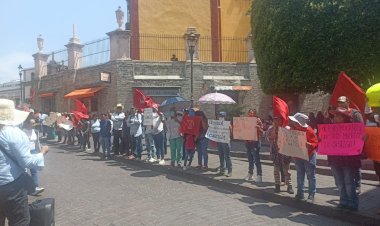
(343, 139)
(372, 145)
(191, 124)
(292, 143)
(218, 131)
(148, 117)
(244, 128)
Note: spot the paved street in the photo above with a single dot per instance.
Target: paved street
(93, 192)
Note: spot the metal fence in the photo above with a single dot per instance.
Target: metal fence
(158, 47)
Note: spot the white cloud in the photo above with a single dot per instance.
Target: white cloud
(10, 62)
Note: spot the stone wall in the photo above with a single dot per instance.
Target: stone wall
(126, 75)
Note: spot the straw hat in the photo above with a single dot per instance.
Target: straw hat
(9, 115)
(120, 106)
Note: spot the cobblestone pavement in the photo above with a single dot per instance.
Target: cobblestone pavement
(89, 191)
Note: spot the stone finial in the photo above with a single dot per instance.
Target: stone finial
(40, 43)
(74, 39)
(119, 17)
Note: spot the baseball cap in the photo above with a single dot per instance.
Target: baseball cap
(343, 99)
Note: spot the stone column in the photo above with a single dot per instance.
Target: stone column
(120, 44)
(192, 37)
(74, 52)
(251, 53)
(40, 64)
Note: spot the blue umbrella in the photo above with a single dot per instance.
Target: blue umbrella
(178, 103)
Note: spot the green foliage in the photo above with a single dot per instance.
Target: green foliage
(302, 45)
(232, 110)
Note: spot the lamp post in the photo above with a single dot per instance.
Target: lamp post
(20, 74)
(192, 42)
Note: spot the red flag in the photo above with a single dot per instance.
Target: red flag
(80, 107)
(346, 87)
(141, 101)
(191, 124)
(280, 109)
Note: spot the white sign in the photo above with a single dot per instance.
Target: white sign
(292, 143)
(218, 131)
(148, 117)
(68, 125)
(245, 128)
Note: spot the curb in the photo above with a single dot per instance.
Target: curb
(327, 211)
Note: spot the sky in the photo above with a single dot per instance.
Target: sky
(22, 21)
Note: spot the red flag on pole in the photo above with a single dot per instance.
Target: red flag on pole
(80, 107)
(141, 101)
(346, 87)
(280, 109)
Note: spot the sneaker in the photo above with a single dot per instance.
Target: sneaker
(161, 162)
(229, 174)
(299, 196)
(152, 160)
(38, 191)
(179, 165)
(221, 172)
(277, 188)
(310, 198)
(249, 177)
(290, 189)
(358, 190)
(259, 179)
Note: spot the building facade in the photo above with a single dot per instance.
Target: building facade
(11, 90)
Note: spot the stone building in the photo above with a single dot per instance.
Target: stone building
(160, 65)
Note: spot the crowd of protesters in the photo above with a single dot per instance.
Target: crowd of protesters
(128, 132)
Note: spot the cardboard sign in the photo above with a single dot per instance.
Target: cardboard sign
(218, 131)
(191, 124)
(372, 145)
(343, 139)
(148, 117)
(244, 128)
(67, 125)
(292, 143)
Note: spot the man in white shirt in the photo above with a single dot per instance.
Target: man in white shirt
(117, 118)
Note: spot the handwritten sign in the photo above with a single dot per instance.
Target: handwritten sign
(344, 139)
(292, 143)
(372, 145)
(148, 117)
(67, 125)
(218, 131)
(191, 124)
(244, 128)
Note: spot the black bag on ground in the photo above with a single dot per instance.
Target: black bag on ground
(42, 212)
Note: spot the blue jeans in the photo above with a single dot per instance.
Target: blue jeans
(159, 144)
(34, 172)
(253, 153)
(189, 155)
(224, 156)
(306, 167)
(202, 145)
(106, 145)
(345, 181)
(149, 144)
(138, 146)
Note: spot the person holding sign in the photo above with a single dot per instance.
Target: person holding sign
(253, 150)
(299, 122)
(224, 151)
(279, 160)
(344, 168)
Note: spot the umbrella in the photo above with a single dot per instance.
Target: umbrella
(216, 98)
(174, 102)
(373, 95)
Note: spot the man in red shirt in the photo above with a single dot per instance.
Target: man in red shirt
(299, 122)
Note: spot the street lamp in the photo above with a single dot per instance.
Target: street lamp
(192, 40)
(20, 74)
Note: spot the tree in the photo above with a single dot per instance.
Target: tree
(302, 45)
